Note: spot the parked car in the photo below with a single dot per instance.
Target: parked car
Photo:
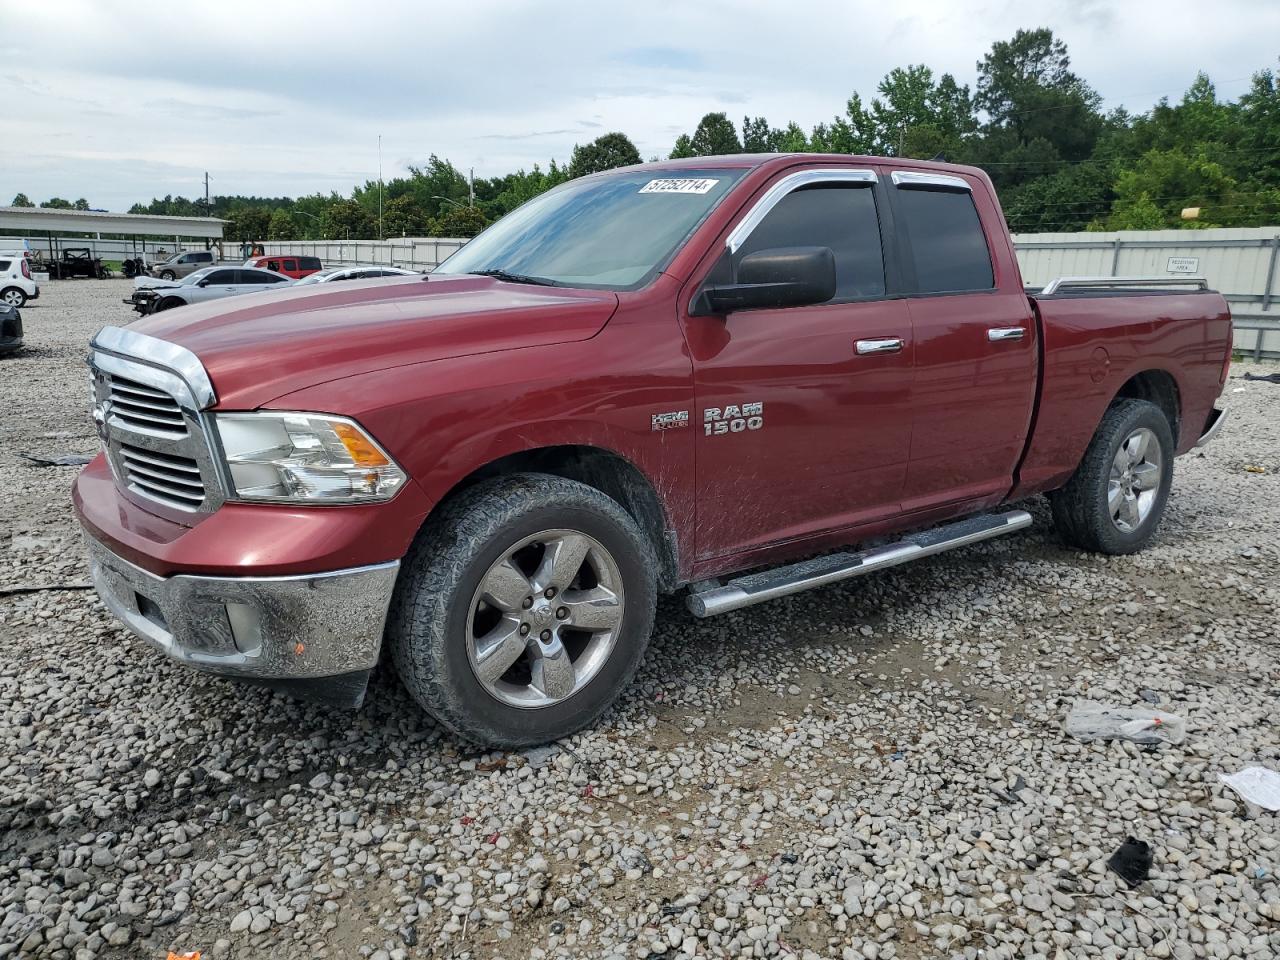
(182, 264)
(685, 375)
(212, 283)
(288, 264)
(10, 329)
(16, 284)
(334, 274)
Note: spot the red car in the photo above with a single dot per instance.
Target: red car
(289, 264)
(689, 375)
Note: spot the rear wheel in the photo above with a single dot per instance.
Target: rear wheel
(523, 610)
(12, 297)
(1116, 498)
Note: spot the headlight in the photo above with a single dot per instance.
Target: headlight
(305, 456)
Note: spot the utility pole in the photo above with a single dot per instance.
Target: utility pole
(902, 133)
(379, 186)
(207, 211)
(471, 188)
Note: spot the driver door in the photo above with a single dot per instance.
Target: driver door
(803, 413)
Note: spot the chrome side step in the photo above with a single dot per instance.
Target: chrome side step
(784, 581)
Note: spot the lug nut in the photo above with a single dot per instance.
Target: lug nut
(526, 603)
(562, 613)
(524, 629)
(550, 592)
(546, 635)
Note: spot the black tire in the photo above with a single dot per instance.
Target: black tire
(429, 616)
(168, 275)
(168, 303)
(19, 297)
(1080, 509)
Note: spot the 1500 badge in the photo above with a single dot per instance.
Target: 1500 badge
(735, 418)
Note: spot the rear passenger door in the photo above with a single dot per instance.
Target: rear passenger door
(976, 357)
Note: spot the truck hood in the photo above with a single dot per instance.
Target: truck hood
(263, 345)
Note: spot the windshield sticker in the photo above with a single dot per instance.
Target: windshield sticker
(700, 185)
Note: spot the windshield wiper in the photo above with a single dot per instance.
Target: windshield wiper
(499, 274)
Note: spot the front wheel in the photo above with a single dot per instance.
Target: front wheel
(523, 610)
(12, 297)
(167, 275)
(1114, 501)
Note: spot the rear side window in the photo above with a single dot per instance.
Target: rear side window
(309, 263)
(948, 246)
(5, 265)
(202, 257)
(291, 264)
(837, 216)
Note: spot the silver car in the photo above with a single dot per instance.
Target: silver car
(332, 274)
(212, 283)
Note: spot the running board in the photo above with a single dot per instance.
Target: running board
(834, 567)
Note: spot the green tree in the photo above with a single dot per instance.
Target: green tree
(349, 220)
(715, 136)
(1172, 180)
(604, 153)
(81, 204)
(57, 203)
(683, 148)
(21, 200)
(281, 226)
(248, 223)
(459, 222)
(1034, 105)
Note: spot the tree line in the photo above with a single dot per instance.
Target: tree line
(1061, 163)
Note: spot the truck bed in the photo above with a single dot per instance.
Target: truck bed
(1164, 340)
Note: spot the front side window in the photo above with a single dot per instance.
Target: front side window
(839, 216)
(291, 264)
(948, 245)
(615, 231)
(220, 277)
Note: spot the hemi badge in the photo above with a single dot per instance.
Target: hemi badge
(674, 420)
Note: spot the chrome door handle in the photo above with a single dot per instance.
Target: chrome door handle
(996, 334)
(879, 345)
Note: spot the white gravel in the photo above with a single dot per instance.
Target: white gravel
(877, 770)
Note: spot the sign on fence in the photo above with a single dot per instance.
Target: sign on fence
(1184, 265)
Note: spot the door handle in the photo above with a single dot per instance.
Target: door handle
(996, 334)
(879, 345)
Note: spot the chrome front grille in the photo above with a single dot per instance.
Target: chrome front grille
(139, 405)
(169, 478)
(148, 401)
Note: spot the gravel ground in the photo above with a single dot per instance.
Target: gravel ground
(874, 770)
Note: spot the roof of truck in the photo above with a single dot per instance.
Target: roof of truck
(753, 160)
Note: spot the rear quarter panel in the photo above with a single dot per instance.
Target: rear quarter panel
(1094, 345)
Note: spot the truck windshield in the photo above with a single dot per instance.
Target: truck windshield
(612, 232)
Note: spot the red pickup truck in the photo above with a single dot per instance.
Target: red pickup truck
(697, 375)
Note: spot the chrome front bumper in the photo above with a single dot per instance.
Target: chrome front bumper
(277, 629)
(1213, 427)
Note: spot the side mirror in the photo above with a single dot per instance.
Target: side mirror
(203, 283)
(782, 277)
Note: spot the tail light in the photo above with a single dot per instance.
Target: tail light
(26, 268)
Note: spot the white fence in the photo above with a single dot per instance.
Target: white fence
(1240, 262)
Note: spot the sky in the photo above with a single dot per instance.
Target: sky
(119, 103)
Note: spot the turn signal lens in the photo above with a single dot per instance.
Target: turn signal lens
(360, 447)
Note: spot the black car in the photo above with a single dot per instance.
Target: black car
(10, 329)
